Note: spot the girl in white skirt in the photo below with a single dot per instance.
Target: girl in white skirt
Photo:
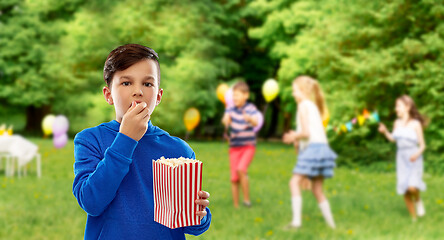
(409, 138)
(316, 160)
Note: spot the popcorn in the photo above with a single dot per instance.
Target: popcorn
(174, 162)
(176, 182)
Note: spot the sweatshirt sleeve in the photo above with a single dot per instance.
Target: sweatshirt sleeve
(204, 223)
(202, 227)
(97, 180)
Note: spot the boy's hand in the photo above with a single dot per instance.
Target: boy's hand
(226, 120)
(246, 116)
(252, 120)
(135, 121)
(202, 201)
(226, 136)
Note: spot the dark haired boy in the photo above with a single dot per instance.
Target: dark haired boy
(113, 168)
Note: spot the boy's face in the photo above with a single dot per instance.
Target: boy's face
(137, 83)
(240, 98)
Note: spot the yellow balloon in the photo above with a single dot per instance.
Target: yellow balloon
(191, 118)
(270, 90)
(221, 90)
(47, 123)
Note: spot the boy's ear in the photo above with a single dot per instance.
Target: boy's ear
(107, 95)
(159, 96)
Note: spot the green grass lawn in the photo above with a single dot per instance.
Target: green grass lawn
(364, 204)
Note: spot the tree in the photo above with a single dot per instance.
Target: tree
(365, 54)
(28, 58)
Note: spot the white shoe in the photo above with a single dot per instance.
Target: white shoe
(291, 227)
(420, 210)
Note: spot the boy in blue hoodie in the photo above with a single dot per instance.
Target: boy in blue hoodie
(113, 161)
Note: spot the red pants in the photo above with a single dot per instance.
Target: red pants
(240, 159)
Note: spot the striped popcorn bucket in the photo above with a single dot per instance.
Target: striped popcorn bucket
(175, 189)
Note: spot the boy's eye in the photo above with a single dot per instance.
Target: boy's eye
(148, 84)
(126, 83)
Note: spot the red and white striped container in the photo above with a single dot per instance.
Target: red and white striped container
(175, 188)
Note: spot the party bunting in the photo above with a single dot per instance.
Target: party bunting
(376, 116)
(329, 128)
(343, 128)
(366, 113)
(360, 119)
(349, 126)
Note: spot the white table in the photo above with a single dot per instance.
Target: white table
(18, 151)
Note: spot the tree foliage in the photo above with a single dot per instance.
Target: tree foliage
(365, 54)
(29, 43)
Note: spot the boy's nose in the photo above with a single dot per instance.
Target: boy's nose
(138, 92)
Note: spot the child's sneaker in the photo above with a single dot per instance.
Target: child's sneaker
(247, 204)
(420, 210)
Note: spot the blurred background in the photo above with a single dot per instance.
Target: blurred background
(364, 53)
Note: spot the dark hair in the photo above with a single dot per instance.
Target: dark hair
(124, 57)
(413, 112)
(241, 86)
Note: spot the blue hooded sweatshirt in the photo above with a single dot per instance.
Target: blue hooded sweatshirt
(114, 182)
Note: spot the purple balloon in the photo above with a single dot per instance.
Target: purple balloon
(60, 125)
(60, 141)
(260, 122)
(229, 98)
